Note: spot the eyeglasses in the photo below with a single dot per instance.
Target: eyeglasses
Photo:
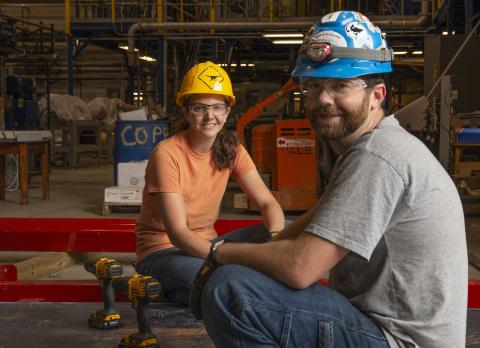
(312, 87)
(201, 109)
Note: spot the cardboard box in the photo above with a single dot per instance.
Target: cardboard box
(240, 201)
(135, 115)
(131, 174)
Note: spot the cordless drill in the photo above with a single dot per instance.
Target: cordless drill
(141, 290)
(106, 270)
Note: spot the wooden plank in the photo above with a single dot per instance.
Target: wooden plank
(45, 264)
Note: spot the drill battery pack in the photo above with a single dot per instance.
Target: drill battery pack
(105, 320)
(139, 340)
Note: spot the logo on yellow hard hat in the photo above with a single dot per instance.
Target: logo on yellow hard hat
(212, 78)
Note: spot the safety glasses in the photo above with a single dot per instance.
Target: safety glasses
(199, 109)
(311, 88)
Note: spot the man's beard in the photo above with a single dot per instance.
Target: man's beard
(349, 121)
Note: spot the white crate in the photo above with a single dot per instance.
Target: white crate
(123, 195)
(131, 174)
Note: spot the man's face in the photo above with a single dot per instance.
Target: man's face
(336, 107)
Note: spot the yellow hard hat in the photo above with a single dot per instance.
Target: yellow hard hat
(206, 78)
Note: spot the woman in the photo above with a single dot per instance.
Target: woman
(185, 180)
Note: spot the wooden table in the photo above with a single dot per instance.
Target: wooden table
(457, 154)
(23, 149)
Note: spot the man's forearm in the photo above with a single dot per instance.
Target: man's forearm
(274, 260)
(294, 229)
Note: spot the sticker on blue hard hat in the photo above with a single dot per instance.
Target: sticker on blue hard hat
(331, 17)
(359, 34)
(363, 19)
(329, 36)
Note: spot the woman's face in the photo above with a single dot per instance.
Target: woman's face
(206, 114)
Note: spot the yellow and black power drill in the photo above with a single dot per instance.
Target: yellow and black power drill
(106, 270)
(141, 290)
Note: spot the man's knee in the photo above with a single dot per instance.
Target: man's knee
(226, 284)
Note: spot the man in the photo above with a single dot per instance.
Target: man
(389, 227)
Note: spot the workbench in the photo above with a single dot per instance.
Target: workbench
(23, 149)
(464, 167)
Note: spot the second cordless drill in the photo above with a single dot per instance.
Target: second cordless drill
(141, 290)
(106, 270)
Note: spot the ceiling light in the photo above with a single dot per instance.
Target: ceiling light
(417, 52)
(147, 58)
(287, 42)
(399, 53)
(296, 93)
(446, 32)
(283, 35)
(244, 65)
(125, 47)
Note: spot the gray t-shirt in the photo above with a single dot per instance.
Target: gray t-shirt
(391, 203)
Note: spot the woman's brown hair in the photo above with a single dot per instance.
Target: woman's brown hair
(225, 149)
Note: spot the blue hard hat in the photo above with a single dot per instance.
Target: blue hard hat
(343, 44)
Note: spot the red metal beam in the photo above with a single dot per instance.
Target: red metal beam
(86, 235)
(89, 291)
(80, 235)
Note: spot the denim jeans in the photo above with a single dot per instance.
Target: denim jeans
(176, 270)
(245, 308)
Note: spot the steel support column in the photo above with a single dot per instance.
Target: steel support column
(161, 72)
(69, 65)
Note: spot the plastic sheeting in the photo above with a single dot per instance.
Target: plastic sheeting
(67, 107)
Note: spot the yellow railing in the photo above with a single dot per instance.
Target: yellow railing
(179, 10)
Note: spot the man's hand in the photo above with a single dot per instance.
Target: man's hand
(209, 265)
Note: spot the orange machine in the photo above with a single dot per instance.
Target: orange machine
(285, 155)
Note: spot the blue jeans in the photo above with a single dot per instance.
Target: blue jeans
(245, 308)
(176, 270)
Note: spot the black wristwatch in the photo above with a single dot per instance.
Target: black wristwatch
(213, 250)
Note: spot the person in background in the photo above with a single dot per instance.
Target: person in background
(389, 227)
(185, 179)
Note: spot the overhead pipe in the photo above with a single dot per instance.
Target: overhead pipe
(385, 22)
(226, 26)
(394, 22)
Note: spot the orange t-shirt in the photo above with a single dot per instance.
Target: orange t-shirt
(174, 166)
